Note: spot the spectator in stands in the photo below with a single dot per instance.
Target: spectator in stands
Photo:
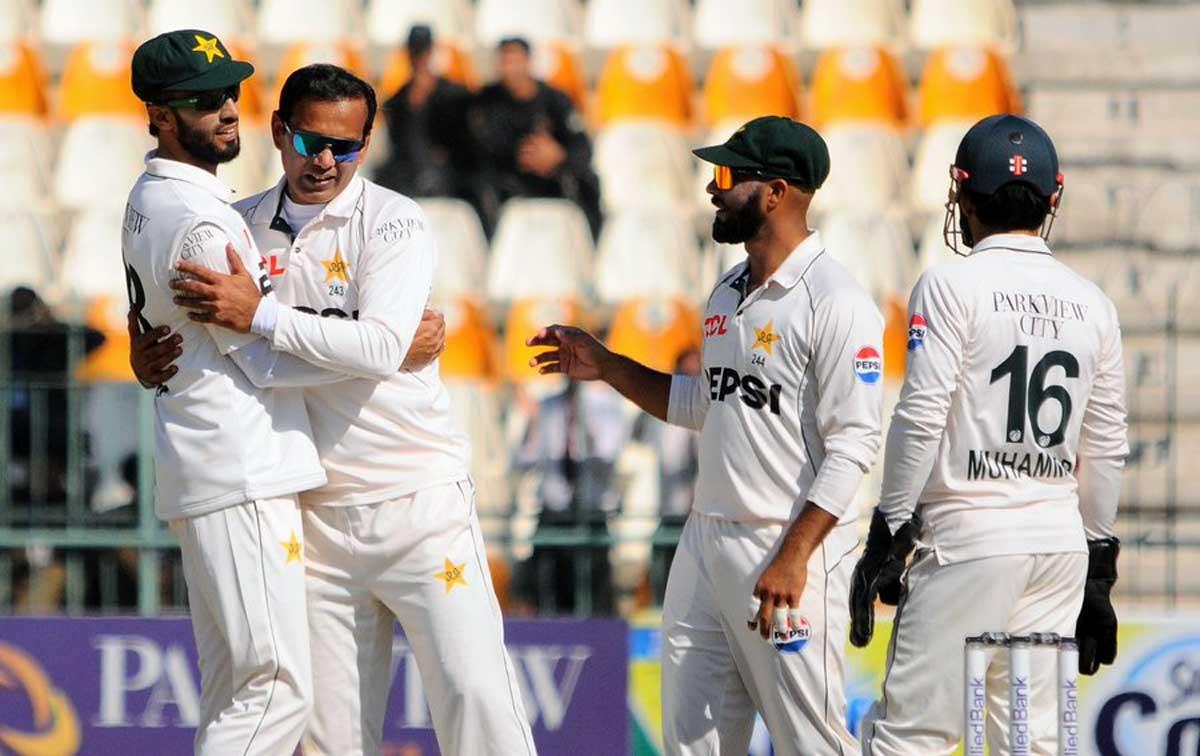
(531, 140)
(431, 154)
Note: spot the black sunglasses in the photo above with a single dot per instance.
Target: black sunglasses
(309, 144)
(208, 100)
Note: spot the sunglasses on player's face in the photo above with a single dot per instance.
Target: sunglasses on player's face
(308, 144)
(725, 177)
(208, 100)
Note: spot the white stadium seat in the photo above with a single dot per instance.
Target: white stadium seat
(642, 163)
(647, 253)
(388, 21)
(727, 23)
(462, 247)
(228, 19)
(868, 168)
(285, 22)
(542, 249)
(842, 23)
(535, 20)
(1161, 375)
(92, 264)
(16, 19)
(937, 23)
(64, 22)
(479, 412)
(931, 247)
(25, 162)
(877, 250)
(32, 239)
(931, 164)
(100, 159)
(612, 23)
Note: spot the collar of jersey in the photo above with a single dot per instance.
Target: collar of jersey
(341, 206)
(792, 270)
(1013, 243)
(173, 169)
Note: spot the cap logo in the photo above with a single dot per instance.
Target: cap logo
(208, 47)
(1017, 165)
(1016, 137)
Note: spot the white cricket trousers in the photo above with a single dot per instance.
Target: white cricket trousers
(921, 711)
(418, 559)
(716, 672)
(244, 569)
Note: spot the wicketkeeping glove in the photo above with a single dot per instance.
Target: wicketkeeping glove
(878, 573)
(1096, 629)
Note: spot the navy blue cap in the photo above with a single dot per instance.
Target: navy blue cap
(1004, 148)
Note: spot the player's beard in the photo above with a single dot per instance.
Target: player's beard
(202, 145)
(740, 225)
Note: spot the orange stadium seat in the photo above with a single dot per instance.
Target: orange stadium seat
(931, 164)
(542, 248)
(558, 65)
(22, 82)
(252, 103)
(462, 248)
(289, 22)
(228, 19)
(388, 21)
(109, 363)
(859, 84)
(655, 331)
(91, 263)
(449, 60)
(96, 81)
(868, 168)
(965, 83)
(934, 23)
(66, 22)
(747, 82)
(642, 164)
(717, 24)
(470, 351)
(614, 23)
(525, 317)
(535, 20)
(843, 23)
(344, 54)
(649, 83)
(645, 252)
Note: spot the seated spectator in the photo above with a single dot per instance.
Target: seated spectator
(430, 155)
(531, 140)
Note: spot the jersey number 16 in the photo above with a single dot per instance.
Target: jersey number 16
(1028, 392)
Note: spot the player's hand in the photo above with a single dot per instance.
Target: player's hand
(878, 573)
(778, 591)
(152, 354)
(576, 353)
(428, 342)
(227, 300)
(540, 155)
(1096, 628)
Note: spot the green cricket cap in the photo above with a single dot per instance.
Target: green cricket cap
(776, 146)
(186, 60)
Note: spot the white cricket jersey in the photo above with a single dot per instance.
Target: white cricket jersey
(1011, 420)
(358, 277)
(788, 403)
(219, 441)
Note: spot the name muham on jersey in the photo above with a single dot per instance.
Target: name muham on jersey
(1021, 359)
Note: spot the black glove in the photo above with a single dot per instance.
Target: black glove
(1096, 629)
(878, 573)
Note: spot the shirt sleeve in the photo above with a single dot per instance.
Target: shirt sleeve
(1103, 443)
(204, 244)
(930, 379)
(267, 368)
(688, 402)
(847, 363)
(394, 280)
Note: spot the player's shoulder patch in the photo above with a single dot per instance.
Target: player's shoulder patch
(868, 364)
(917, 328)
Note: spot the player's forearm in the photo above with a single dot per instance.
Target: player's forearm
(807, 531)
(908, 459)
(266, 368)
(363, 349)
(647, 388)
(1099, 491)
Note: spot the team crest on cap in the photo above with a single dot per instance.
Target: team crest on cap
(1017, 165)
(868, 365)
(916, 331)
(208, 47)
(797, 636)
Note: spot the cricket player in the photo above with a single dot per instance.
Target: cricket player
(394, 534)
(230, 454)
(1004, 457)
(788, 409)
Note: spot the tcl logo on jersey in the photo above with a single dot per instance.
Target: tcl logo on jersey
(753, 392)
(715, 326)
(916, 331)
(272, 265)
(868, 365)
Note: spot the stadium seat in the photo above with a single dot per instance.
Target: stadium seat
(388, 21)
(747, 82)
(228, 19)
(843, 23)
(25, 161)
(1160, 470)
(557, 64)
(641, 165)
(859, 84)
(478, 410)
(655, 330)
(534, 20)
(22, 82)
(722, 23)
(931, 247)
(1161, 373)
(934, 23)
(290, 22)
(92, 265)
(931, 164)
(868, 168)
(542, 248)
(95, 81)
(462, 247)
(525, 317)
(448, 60)
(64, 23)
(33, 238)
(99, 162)
(965, 83)
(645, 83)
(344, 54)
(244, 173)
(877, 250)
(16, 19)
(470, 352)
(614, 23)
(1170, 215)
(647, 253)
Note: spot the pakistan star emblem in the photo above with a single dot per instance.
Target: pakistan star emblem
(208, 47)
(765, 338)
(337, 268)
(293, 548)
(451, 574)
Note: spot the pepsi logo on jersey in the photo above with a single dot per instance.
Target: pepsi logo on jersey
(751, 389)
(916, 331)
(795, 638)
(868, 365)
